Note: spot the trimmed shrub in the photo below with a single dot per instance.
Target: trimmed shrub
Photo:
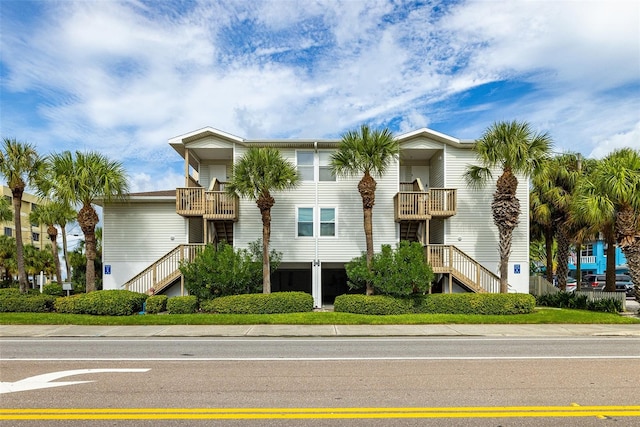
(6, 292)
(277, 302)
(156, 304)
(102, 303)
(398, 272)
(15, 302)
(53, 289)
(372, 304)
(182, 305)
(472, 303)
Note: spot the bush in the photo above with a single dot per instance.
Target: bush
(467, 303)
(15, 302)
(396, 272)
(53, 289)
(579, 302)
(277, 302)
(372, 304)
(156, 304)
(182, 305)
(226, 271)
(472, 303)
(102, 303)
(562, 300)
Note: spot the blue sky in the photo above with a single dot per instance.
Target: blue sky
(122, 77)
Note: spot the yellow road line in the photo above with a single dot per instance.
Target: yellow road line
(314, 413)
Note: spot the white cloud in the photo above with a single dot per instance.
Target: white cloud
(123, 77)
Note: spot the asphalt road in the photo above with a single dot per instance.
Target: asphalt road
(385, 381)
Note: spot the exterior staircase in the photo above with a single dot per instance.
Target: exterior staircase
(164, 272)
(447, 259)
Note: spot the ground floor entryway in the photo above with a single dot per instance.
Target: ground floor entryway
(324, 281)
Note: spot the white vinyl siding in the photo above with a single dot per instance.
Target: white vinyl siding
(137, 234)
(341, 194)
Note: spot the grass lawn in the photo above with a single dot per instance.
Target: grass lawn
(540, 316)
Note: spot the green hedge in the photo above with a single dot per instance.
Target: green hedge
(467, 303)
(15, 302)
(372, 304)
(277, 302)
(182, 305)
(471, 303)
(156, 304)
(53, 289)
(102, 303)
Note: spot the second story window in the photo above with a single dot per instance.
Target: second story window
(8, 231)
(35, 237)
(304, 162)
(314, 166)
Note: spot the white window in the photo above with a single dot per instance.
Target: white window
(320, 222)
(305, 160)
(305, 222)
(327, 222)
(324, 170)
(314, 166)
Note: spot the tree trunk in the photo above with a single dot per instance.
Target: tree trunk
(88, 219)
(367, 189)
(632, 253)
(610, 273)
(628, 237)
(265, 203)
(17, 219)
(53, 236)
(548, 246)
(563, 257)
(64, 251)
(578, 266)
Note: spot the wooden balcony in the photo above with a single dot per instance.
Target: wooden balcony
(423, 205)
(212, 205)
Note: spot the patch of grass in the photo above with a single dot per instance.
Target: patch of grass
(540, 316)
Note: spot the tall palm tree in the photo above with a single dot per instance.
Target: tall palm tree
(366, 152)
(515, 149)
(51, 214)
(610, 198)
(81, 180)
(20, 164)
(256, 174)
(555, 184)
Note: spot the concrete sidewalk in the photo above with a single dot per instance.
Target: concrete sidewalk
(161, 331)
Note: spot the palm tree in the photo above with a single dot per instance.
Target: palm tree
(555, 185)
(256, 174)
(81, 180)
(366, 152)
(7, 254)
(610, 199)
(20, 164)
(51, 214)
(514, 148)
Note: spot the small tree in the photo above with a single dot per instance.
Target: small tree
(400, 272)
(226, 271)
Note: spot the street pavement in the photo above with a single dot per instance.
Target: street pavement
(489, 330)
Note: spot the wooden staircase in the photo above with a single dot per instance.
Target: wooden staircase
(162, 273)
(447, 259)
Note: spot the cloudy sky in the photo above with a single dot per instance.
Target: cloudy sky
(122, 77)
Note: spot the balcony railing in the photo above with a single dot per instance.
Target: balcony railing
(422, 205)
(214, 205)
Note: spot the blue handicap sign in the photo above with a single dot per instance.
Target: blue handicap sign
(516, 269)
(107, 269)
